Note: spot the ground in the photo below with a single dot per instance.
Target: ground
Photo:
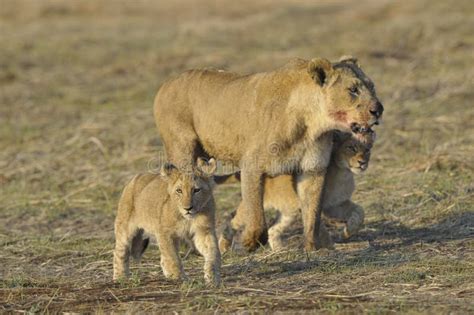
(77, 81)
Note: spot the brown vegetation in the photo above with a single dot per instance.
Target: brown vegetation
(77, 81)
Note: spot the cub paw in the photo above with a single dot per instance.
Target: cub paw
(251, 240)
(224, 244)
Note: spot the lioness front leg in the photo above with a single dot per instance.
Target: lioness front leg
(310, 190)
(206, 243)
(250, 215)
(170, 260)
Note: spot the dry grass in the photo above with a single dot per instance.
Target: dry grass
(77, 81)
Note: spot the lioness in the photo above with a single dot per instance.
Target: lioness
(269, 123)
(171, 206)
(349, 156)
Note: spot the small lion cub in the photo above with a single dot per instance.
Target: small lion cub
(171, 206)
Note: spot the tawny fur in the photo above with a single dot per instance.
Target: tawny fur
(268, 123)
(349, 156)
(171, 206)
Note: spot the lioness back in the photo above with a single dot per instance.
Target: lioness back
(223, 108)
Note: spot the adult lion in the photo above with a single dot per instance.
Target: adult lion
(271, 123)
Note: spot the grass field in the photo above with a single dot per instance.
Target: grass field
(77, 81)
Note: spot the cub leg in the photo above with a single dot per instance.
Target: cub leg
(206, 243)
(275, 232)
(122, 251)
(139, 245)
(226, 234)
(351, 213)
(355, 222)
(250, 215)
(124, 233)
(310, 190)
(170, 260)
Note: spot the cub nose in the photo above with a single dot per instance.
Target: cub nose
(362, 164)
(377, 109)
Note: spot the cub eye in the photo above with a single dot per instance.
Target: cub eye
(179, 191)
(354, 90)
(352, 148)
(196, 190)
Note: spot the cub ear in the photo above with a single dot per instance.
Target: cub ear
(349, 59)
(168, 170)
(207, 167)
(320, 69)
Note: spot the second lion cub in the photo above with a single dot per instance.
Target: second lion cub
(349, 156)
(171, 206)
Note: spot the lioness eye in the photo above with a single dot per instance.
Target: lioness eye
(179, 191)
(196, 190)
(354, 90)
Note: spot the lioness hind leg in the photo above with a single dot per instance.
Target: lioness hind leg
(250, 215)
(276, 231)
(184, 150)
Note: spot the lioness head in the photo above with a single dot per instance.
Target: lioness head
(353, 154)
(350, 96)
(190, 192)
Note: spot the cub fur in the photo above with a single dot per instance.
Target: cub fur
(172, 206)
(349, 157)
(268, 123)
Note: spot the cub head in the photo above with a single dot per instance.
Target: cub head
(352, 154)
(350, 97)
(190, 192)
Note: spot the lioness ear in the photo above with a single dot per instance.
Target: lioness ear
(167, 170)
(349, 59)
(320, 69)
(208, 167)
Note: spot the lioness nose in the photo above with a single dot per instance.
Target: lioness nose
(377, 109)
(188, 208)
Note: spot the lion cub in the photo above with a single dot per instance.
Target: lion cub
(349, 156)
(171, 206)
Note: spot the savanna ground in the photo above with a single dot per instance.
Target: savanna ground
(77, 81)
